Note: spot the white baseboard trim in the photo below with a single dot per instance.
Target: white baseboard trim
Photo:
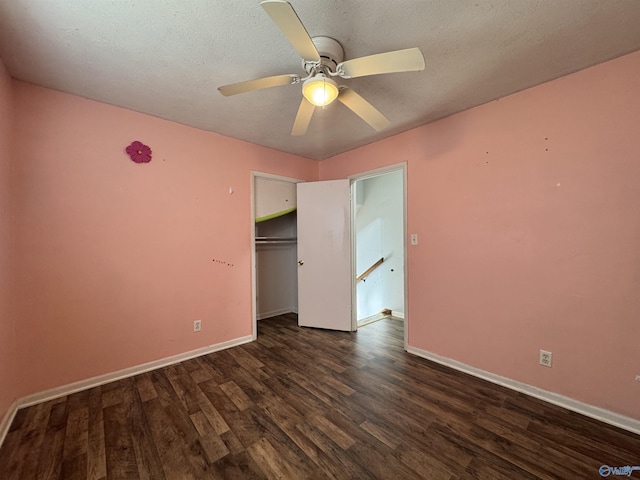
(57, 392)
(597, 413)
(273, 313)
(370, 319)
(379, 316)
(6, 421)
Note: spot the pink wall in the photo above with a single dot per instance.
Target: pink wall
(525, 207)
(527, 211)
(7, 321)
(117, 258)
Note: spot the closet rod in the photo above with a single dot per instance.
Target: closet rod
(276, 239)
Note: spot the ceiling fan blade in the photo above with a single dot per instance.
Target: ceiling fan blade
(303, 117)
(259, 84)
(408, 60)
(287, 20)
(363, 109)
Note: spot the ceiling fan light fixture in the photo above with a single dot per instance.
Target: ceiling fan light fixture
(320, 90)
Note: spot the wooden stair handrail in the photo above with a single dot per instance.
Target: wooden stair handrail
(364, 274)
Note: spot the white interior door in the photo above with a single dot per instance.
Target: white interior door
(324, 255)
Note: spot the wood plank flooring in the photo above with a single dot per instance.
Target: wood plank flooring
(308, 404)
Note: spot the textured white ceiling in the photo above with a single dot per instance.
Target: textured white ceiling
(167, 57)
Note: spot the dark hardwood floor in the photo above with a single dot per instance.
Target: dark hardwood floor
(308, 404)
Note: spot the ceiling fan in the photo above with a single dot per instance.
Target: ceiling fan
(322, 59)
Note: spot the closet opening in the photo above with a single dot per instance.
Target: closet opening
(275, 247)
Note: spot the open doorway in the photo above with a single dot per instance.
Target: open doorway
(379, 245)
(369, 207)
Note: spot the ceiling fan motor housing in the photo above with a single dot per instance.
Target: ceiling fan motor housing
(331, 54)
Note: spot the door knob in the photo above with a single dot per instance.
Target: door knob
(300, 262)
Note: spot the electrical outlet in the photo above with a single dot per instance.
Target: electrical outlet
(545, 358)
(637, 378)
(197, 325)
(414, 239)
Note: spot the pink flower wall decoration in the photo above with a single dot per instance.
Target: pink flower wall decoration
(139, 152)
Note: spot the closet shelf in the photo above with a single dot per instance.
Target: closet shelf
(271, 216)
